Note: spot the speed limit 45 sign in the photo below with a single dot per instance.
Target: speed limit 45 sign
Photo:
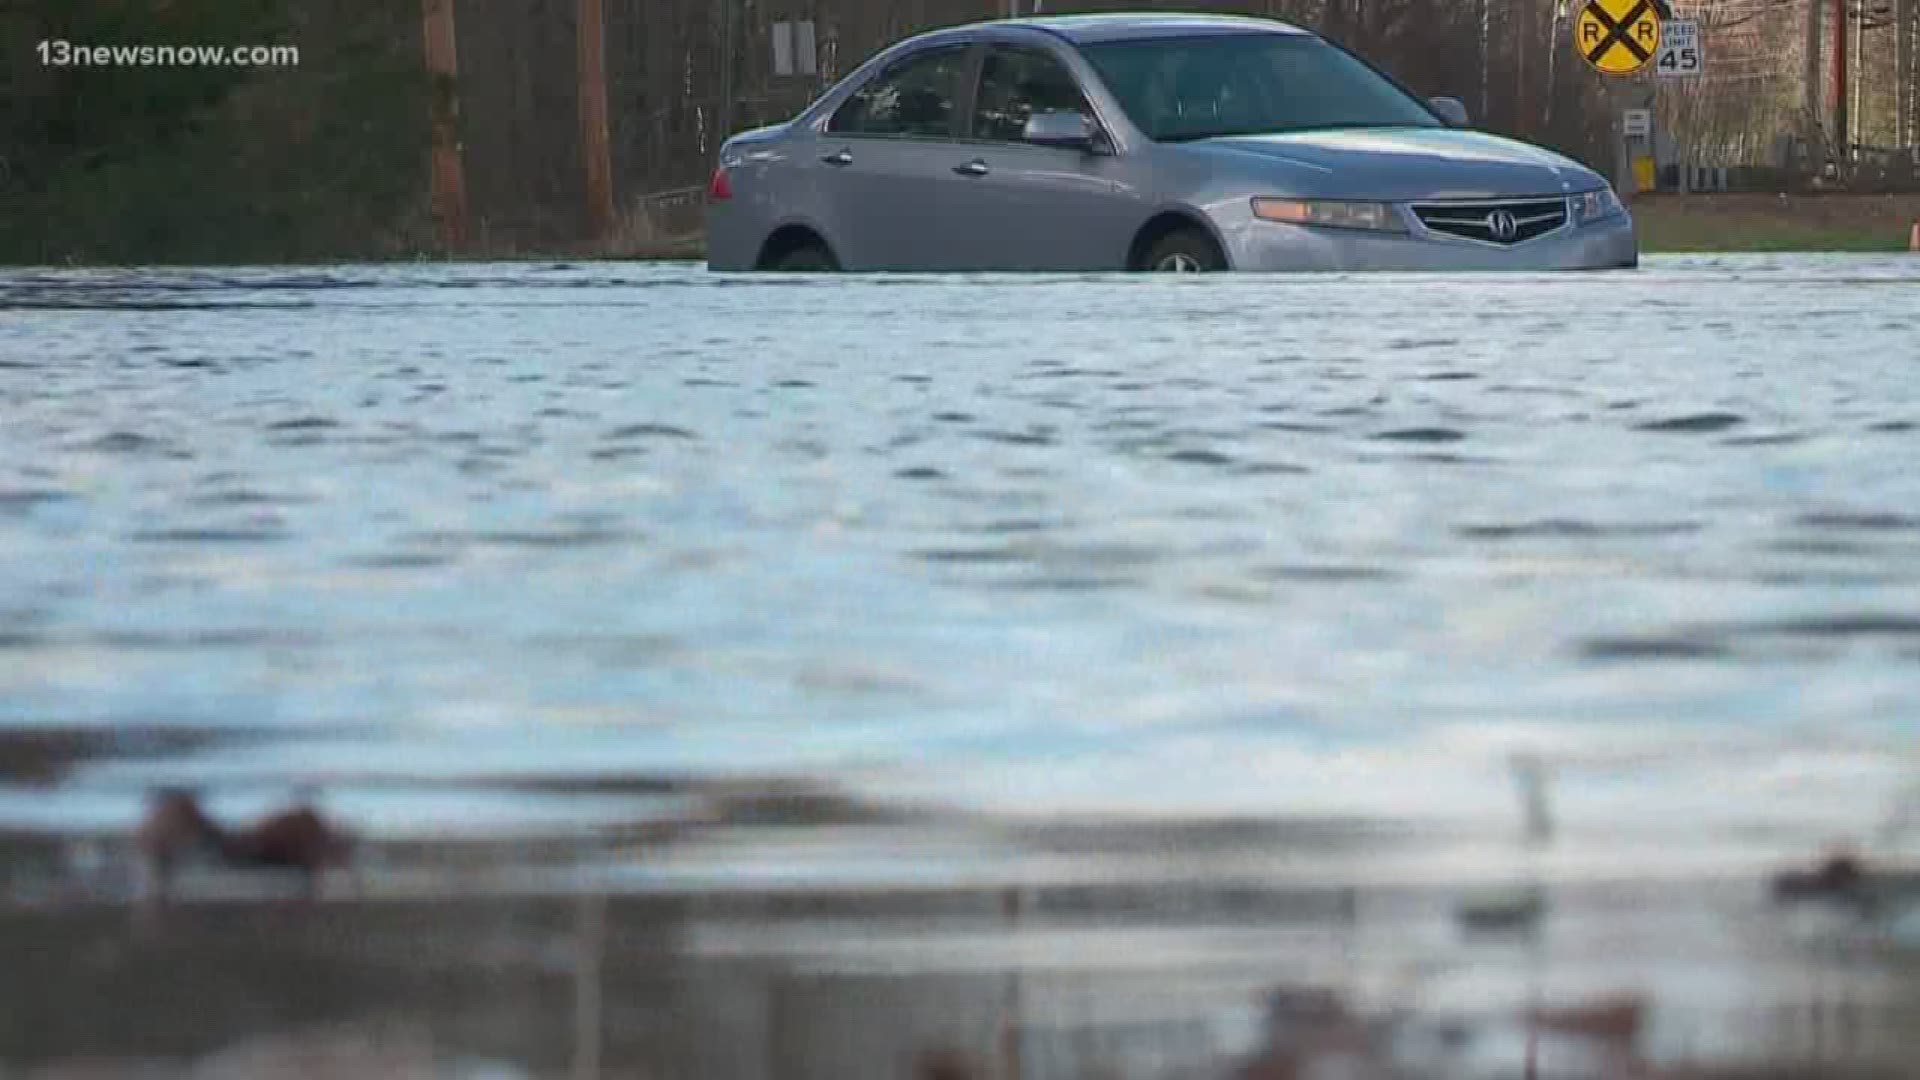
(1679, 53)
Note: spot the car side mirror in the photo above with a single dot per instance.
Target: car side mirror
(1452, 110)
(1065, 130)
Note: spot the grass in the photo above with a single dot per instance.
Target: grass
(1730, 223)
(1775, 223)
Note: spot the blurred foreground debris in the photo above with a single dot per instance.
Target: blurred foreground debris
(178, 829)
(1517, 910)
(353, 1052)
(595, 974)
(1840, 876)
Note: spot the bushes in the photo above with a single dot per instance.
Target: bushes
(216, 164)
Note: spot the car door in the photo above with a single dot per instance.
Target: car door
(1029, 207)
(884, 164)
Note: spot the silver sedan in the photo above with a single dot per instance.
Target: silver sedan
(1146, 142)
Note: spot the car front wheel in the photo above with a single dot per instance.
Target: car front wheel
(1185, 251)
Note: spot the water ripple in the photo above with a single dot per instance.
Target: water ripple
(1694, 423)
(546, 522)
(1422, 435)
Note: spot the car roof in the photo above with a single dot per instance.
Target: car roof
(1125, 26)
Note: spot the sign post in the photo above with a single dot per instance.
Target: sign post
(1636, 126)
(1623, 38)
(1680, 57)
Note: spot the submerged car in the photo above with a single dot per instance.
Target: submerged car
(1146, 142)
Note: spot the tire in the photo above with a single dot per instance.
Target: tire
(1185, 251)
(808, 258)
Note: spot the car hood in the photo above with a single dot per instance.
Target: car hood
(1402, 164)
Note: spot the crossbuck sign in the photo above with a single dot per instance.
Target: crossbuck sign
(1618, 37)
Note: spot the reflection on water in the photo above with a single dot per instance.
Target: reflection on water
(690, 583)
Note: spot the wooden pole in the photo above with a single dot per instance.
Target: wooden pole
(1486, 61)
(1903, 72)
(1856, 110)
(1812, 61)
(1553, 69)
(1911, 70)
(1841, 135)
(591, 31)
(1899, 27)
(1517, 34)
(727, 37)
(1913, 73)
(448, 198)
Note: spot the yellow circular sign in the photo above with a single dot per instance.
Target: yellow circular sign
(1618, 37)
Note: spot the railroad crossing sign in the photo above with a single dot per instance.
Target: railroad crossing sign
(1618, 37)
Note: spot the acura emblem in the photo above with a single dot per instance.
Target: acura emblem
(1503, 225)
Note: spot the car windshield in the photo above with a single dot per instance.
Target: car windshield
(1179, 89)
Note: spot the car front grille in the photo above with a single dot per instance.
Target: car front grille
(1483, 221)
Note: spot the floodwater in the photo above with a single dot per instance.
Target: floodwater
(512, 550)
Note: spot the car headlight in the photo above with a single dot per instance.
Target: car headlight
(1379, 217)
(1596, 205)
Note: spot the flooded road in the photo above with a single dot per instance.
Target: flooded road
(1328, 547)
(1236, 581)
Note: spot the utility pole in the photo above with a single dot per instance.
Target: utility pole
(1902, 71)
(1911, 70)
(446, 178)
(1813, 47)
(1486, 60)
(1553, 53)
(590, 29)
(1856, 108)
(1841, 133)
(1517, 33)
(726, 69)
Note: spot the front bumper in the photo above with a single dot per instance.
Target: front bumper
(1253, 244)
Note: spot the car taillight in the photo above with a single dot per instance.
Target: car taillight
(722, 188)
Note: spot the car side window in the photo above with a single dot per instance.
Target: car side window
(1017, 83)
(912, 99)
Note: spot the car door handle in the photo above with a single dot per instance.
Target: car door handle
(976, 167)
(840, 160)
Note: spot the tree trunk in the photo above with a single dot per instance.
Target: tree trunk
(590, 28)
(448, 180)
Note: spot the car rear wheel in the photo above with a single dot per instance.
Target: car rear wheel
(807, 258)
(1185, 251)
